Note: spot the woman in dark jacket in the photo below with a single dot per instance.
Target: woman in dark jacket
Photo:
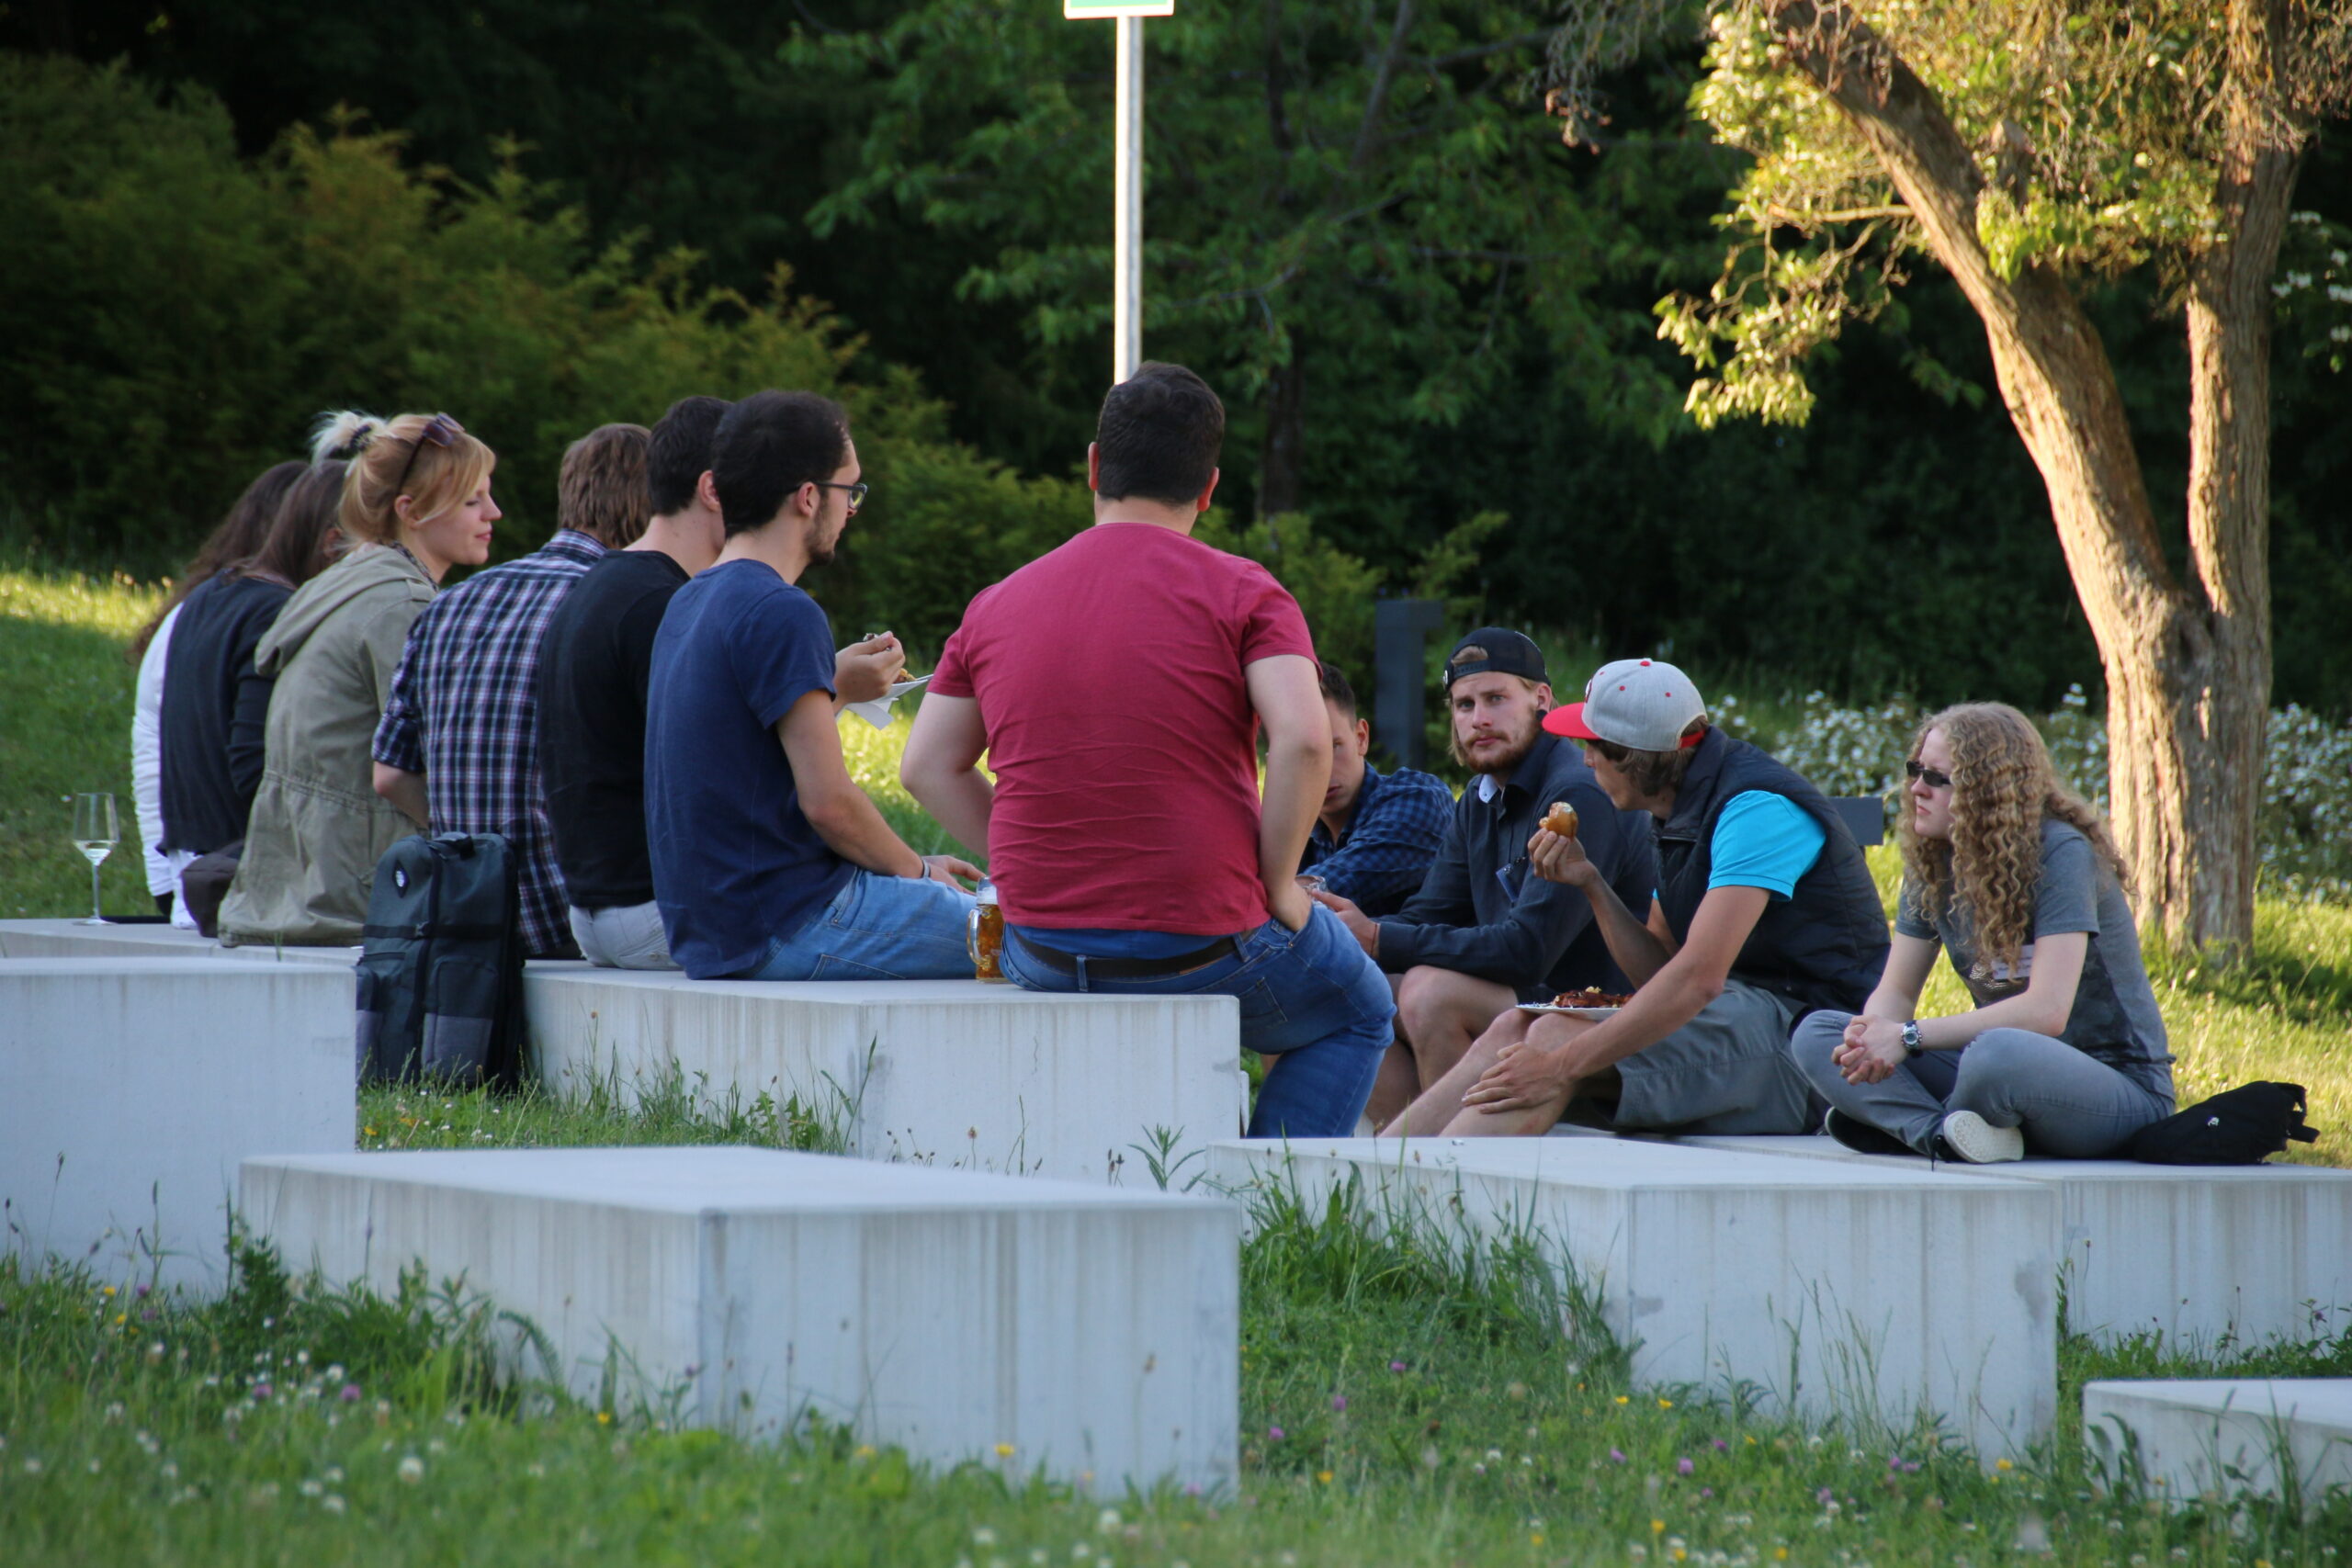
(215, 702)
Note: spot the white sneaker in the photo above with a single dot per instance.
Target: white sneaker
(1969, 1137)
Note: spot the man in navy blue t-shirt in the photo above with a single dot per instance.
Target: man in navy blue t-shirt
(769, 862)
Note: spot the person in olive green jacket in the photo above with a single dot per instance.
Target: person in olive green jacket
(415, 502)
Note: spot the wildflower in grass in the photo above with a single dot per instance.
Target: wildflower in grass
(1324, 1476)
(603, 1418)
(1274, 1434)
(1623, 1399)
(1665, 1405)
(1683, 1467)
(1338, 1401)
(1107, 1522)
(332, 1504)
(261, 1391)
(350, 1394)
(411, 1469)
(1721, 1447)
(1396, 1366)
(1616, 1455)
(1657, 1527)
(1004, 1451)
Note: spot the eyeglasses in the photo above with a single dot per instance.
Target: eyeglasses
(856, 492)
(441, 430)
(1919, 771)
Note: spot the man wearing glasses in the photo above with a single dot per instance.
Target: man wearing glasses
(769, 862)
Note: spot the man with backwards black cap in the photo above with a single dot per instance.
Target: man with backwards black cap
(1764, 912)
(1483, 934)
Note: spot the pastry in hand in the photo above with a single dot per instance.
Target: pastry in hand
(1561, 820)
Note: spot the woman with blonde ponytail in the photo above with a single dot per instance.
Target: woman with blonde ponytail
(2015, 878)
(415, 502)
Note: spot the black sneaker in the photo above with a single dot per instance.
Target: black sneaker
(1854, 1132)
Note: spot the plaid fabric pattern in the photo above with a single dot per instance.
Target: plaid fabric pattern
(1399, 821)
(464, 713)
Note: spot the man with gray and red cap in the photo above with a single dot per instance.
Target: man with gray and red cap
(1482, 935)
(1764, 911)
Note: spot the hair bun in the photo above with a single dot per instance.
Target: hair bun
(344, 432)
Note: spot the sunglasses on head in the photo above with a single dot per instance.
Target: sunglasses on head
(440, 430)
(1916, 769)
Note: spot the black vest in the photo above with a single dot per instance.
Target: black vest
(1825, 944)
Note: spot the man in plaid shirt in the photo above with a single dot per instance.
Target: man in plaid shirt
(458, 743)
(1377, 833)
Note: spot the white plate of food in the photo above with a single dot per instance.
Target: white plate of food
(1589, 1004)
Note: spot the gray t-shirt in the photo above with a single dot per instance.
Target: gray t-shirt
(2114, 1017)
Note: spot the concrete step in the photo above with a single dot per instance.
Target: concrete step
(942, 1072)
(72, 939)
(130, 1088)
(1872, 1295)
(2288, 1438)
(2196, 1253)
(1025, 1324)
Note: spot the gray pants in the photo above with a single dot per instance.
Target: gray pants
(1725, 1072)
(2070, 1104)
(623, 937)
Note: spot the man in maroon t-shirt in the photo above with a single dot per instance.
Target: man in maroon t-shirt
(1116, 686)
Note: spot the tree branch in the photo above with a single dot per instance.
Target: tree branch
(2055, 376)
(1376, 104)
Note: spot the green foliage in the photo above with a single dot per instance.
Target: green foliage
(1357, 226)
(2096, 130)
(187, 314)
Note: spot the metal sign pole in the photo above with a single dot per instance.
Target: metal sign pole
(1126, 288)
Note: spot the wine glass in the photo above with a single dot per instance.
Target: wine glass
(95, 833)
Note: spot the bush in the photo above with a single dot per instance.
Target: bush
(2305, 827)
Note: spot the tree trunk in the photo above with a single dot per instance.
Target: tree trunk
(2188, 673)
(1280, 477)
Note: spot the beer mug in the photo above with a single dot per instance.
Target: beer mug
(984, 934)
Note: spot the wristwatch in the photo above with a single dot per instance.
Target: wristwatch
(1911, 1045)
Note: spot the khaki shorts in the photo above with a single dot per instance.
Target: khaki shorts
(1727, 1071)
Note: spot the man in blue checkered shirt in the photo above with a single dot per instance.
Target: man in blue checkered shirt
(1377, 833)
(458, 743)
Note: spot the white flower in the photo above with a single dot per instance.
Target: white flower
(411, 1470)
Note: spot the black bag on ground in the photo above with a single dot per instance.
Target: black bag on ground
(441, 973)
(2244, 1125)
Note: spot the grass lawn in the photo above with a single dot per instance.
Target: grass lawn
(1400, 1404)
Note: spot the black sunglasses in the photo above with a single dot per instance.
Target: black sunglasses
(856, 492)
(441, 430)
(1916, 769)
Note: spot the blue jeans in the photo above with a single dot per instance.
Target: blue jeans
(876, 927)
(2070, 1104)
(1309, 999)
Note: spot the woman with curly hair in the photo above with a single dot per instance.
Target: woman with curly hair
(2016, 879)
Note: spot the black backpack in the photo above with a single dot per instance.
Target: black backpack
(2244, 1125)
(441, 973)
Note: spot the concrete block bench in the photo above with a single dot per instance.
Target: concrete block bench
(1830, 1293)
(72, 939)
(130, 1088)
(2196, 1253)
(2276, 1435)
(1025, 1324)
(944, 1072)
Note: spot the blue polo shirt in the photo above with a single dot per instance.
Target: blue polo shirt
(735, 863)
